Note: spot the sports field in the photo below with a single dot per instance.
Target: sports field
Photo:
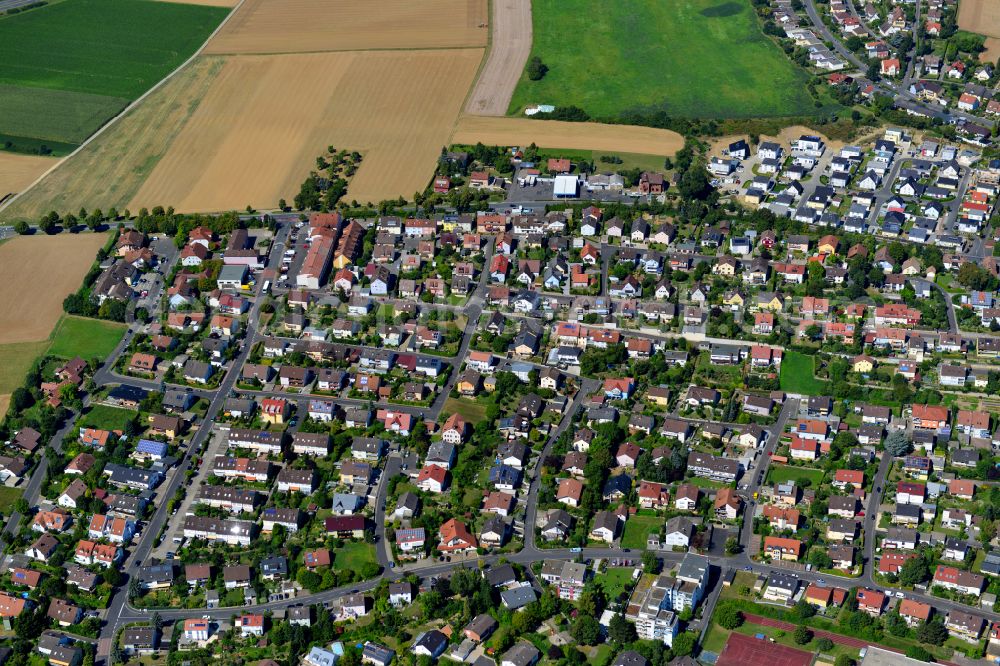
(66, 68)
(36, 274)
(693, 58)
(247, 145)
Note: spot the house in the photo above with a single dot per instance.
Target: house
(781, 587)
(605, 527)
(783, 548)
(727, 504)
(871, 601)
(686, 497)
(522, 653)
(967, 626)
(480, 628)
(963, 582)
(454, 537)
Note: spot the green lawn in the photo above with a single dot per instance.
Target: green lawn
(615, 580)
(638, 528)
(9, 495)
(797, 375)
(470, 410)
(86, 338)
(66, 68)
(354, 555)
(779, 473)
(106, 418)
(690, 58)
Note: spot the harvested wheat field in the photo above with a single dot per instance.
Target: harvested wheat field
(245, 144)
(566, 135)
(19, 171)
(36, 274)
(4, 404)
(109, 170)
(301, 26)
(980, 16)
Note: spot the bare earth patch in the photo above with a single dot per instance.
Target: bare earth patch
(300, 26)
(245, 144)
(36, 274)
(566, 135)
(19, 171)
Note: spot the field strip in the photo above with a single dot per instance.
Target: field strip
(510, 45)
(310, 26)
(17, 171)
(36, 274)
(206, 3)
(566, 135)
(113, 121)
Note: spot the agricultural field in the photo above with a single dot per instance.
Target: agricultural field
(32, 290)
(112, 167)
(62, 77)
(304, 26)
(19, 171)
(983, 17)
(556, 134)
(86, 338)
(691, 58)
(798, 375)
(245, 145)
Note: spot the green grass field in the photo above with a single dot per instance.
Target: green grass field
(66, 68)
(779, 473)
(615, 580)
(797, 375)
(354, 555)
(106, 418)
(86, 338)
(470, 410)
(688, 58)
(638, 528)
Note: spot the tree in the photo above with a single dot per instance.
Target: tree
(729, 617)
(932, 631)
(914, 571)
(804, 609)
(824, 644)
(620, 630)
(843, 660)
(22, 227)
(919, 653)
(802, 634)
(897, 444)
(650, 562)
(586, 630)
(684, 643)
(536, 68)
(732, 546)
